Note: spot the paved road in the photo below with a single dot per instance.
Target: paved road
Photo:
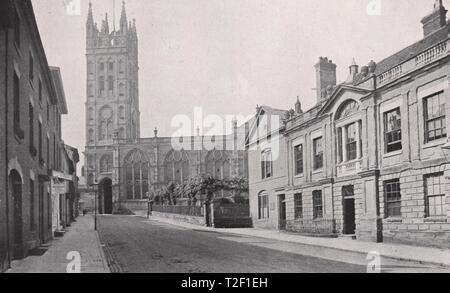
(137, 245)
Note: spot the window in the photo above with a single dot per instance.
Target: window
(17, 29)
(16, 105)
(393, 131)
(317, 204)
(137, 172)
(348, 191)
(111, 67)
(298, 153)
(31, 130)
(318, 153)
(40, 142)
(101, 84)
(393, 198)
(31, 68)
(263, 206)
(49, 210)
(298, 206)
(32, 216)
(110, 83)
(435, 195)
(106, 163)
(434, 108)
(266, 164)
(351, 142)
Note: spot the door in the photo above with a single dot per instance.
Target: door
(41, 213)
(107, 196)
(282, 212)
(16, 192)
(349, 210)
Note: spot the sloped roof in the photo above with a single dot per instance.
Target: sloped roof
(413, 50)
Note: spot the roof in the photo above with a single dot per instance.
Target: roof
(413, 50)
(58, 85)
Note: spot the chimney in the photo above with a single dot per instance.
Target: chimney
(353, 71)
(436, 20)
(325, 76)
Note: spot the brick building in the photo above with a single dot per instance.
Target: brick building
(30, 134)
(371, 160)
(126, 166)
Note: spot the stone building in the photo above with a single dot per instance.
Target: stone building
(371, 160)
(30, 133)
(126, 166)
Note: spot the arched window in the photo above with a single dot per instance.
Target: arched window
(121, 89)
(122, 112)
(91, 136)
(348, 108)
(121, 66)
(106, 163)
(176, 166)
(91, 114)
(218, 164)
(91, 90)
(137, 172)
(106, 124)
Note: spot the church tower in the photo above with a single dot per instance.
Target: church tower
(112, 103)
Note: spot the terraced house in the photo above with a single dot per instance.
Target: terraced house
(31, 146)
(371, 160)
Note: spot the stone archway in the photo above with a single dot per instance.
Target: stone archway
(15, 181)
(106, 196)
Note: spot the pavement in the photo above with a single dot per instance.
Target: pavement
(422, 255)
(135, 244)
(80, 239)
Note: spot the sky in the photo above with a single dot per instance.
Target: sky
(227, 56)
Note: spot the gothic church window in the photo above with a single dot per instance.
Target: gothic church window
(137, 172)
(218, 164)
(106, 124)
(176, 166)
(106, 164)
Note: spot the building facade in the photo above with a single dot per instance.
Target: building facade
(30, 134)
(125, 166)
(371, 160)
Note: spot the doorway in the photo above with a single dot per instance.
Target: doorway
(41, 213)
(17, 227)
(282, 212)
(106, 191)
(349, 210)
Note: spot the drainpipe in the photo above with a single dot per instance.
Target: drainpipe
(6, 148)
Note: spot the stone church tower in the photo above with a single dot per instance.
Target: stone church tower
(112, 104)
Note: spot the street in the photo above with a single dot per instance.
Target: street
(137, 245)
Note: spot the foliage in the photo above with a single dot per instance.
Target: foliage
(203, 184)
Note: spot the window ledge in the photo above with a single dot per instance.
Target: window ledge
(393, 154)
(435, 143)
(435, 220)
(393, 220)
(315, 172)
(299, 176)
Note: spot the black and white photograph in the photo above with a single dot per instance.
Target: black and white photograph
(224, 141)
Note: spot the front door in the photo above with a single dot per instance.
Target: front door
(16, 191)
(41, 213)
(349, 210)
(107, 197)
(282, 212)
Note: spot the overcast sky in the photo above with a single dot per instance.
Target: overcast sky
(227, 56)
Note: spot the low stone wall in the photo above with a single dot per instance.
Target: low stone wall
(319, 227)
(182, 218)
(133, 205)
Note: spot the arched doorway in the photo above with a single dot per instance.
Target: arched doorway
(15, 181)
(106, 195)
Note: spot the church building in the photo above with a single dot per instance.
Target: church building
(126, 166)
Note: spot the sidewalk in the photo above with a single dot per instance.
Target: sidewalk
(423, 255)
(81, 238)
